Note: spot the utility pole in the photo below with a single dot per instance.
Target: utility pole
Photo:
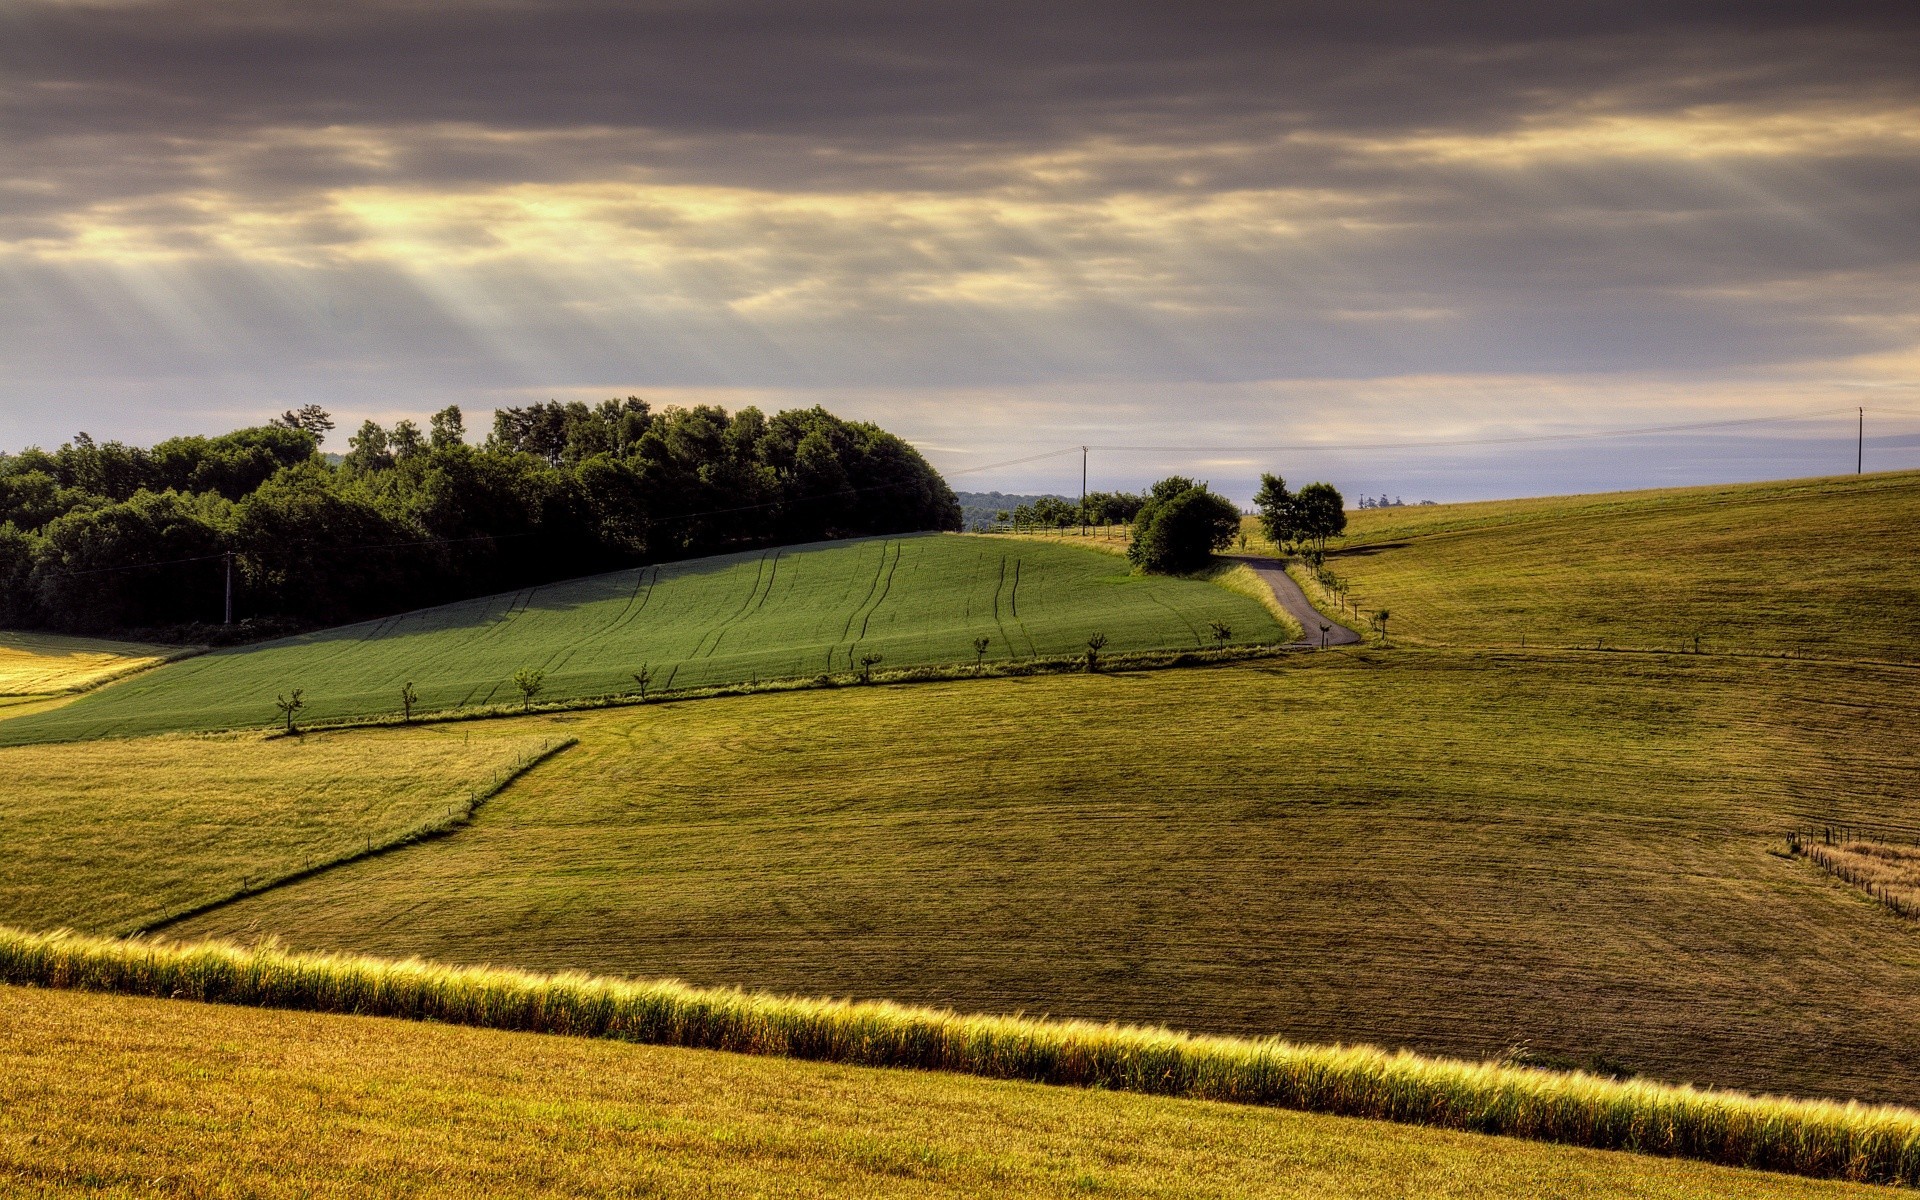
(229, 557)
(1083, 491)
(1860, 446)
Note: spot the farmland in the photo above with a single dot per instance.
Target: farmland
(1581, 854)
(45, 664)
(1812, 566)
(796, 612)
(113, 836)
(107, 1094)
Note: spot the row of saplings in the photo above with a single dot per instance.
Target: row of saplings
(531, 681)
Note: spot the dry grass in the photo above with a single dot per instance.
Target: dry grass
(1457, 852)
(42, 664)
(1871, 1144)
(118, 1096)
(115, 835)
(1888, 873)
(1240, 578)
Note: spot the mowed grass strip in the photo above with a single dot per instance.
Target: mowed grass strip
(1811, 566)
(1578, 854)
(795, 612)
(44, 664)
(111, 836)
(1872, 1144)
(116, 1095)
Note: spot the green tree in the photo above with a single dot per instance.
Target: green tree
(408, 698)
(868, 662)
(1276, 506)
(289, 705)
(1179, 533)
(309, 417)
(1095, 645)
(369, 450)
(447, 429)
(980, 645)
(1319, 513)
(530, 681)
(643, 677)
(1222, 632)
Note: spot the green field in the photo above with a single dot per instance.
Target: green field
(1458, 852)
(111, 836)
(1810, 566)
(795, 612)
(105, 1095)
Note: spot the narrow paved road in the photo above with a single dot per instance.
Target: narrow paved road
(1295, 601)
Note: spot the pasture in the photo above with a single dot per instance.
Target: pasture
(113, 836)
(1579, 855)
(794, 612)
(118, 1095)
(1809, 566)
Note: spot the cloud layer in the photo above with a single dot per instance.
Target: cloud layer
(1118, 222)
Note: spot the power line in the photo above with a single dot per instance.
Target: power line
(1586, 435)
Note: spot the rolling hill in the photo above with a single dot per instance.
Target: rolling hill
(1459, 852)
(794, 612)
(1807, 566)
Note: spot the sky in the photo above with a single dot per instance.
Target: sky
(1415, 249)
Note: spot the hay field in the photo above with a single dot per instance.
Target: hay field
(1580, 855)
(44, 664)
(784, 613)
(109, 836)
(115, 1095)
(1810, 566)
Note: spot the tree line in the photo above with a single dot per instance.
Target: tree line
(104, 537)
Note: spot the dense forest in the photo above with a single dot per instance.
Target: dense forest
(103, 537)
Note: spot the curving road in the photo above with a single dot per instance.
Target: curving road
(1291, 598)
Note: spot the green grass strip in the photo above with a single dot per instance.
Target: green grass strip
(444, 822)
(1816, 1138)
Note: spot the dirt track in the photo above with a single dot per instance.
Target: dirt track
(1295, 602)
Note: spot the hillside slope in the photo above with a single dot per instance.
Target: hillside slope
(793, 612)
(1450, 851)
(1810, 566)
(111, 1095)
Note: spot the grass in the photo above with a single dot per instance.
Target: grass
(792, 613)
(1888, 873)
(114, 836)
(1880, 1145)
(1461, 852)
(111, 1095)
(45, 664)
(1810, 566)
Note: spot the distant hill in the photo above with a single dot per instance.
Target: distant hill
(977, 508)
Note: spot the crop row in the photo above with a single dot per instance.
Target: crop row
(1819, 1138)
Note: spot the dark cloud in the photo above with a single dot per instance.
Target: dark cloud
(940, 196)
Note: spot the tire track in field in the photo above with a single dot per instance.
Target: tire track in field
(457, 645)
(1013, 606)
(1013, 649)
(772, 574)
(1181, 617)
(719, 631)
(846, 630)
(604, 640)
(885, 588)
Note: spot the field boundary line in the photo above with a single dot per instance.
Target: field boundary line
(455, 816)
(1817, 1138)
